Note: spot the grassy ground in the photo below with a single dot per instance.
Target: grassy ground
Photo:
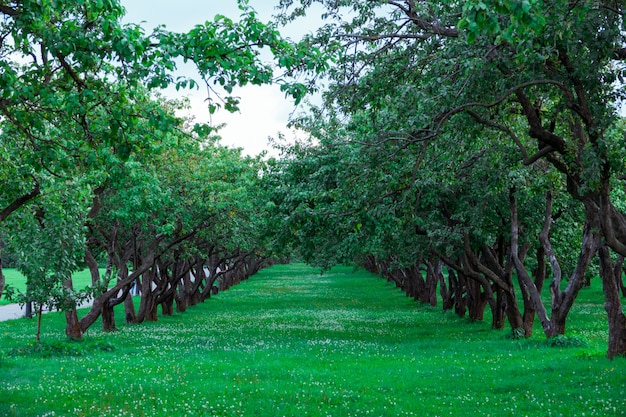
(13, 277)
(290, 342)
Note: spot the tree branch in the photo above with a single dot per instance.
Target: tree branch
(8, 10)
(429, 27)
(19, 202)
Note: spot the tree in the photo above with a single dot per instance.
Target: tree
(50, 246)
(77, 85)
(450, 65)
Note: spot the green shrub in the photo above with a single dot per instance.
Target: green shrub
(562, 341)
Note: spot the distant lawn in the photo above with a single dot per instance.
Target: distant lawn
(14, 278)
(290, 342)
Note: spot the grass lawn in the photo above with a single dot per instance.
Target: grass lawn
(289, 342)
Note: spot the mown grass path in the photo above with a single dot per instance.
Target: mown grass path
(290, 342)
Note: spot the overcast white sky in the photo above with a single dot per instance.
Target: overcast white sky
(264, 110)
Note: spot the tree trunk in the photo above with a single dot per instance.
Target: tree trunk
(446, 291)
(92, 264)
(2, 279)
(476, 300)
(39, 316)
(108, 317)
(129, 309)
(415, 277)
(28, 310)
(499, 312)
(539, 276)
(459, 288)
(613, 305)
(183, 293)
(167, 306)
(431, 283)
(147, 305)
(562, 300)
(618, 271)
(72, 326)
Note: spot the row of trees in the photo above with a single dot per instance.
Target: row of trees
(97, 168)
(479, 137)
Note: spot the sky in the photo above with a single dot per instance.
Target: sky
(264, 110)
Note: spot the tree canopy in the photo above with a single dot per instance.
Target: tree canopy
(475, 148)
(457, 126)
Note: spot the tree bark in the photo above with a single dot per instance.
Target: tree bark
(562, 300)
(445, 290)
(108, 317)
(92, 264)
(431, 283)
(20, 201)
(147, 305)
(476, 300)
(612, 305)
(129, 309)
(167, 306)
(539, 276)
(2, 279)
(618, 271)
(460, 292)
(72, 326)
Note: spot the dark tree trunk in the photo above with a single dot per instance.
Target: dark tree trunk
(370, 264)
(98, 302)
(167, 306)
(92, 264)
(418, 285)
(476, 300)
(562, 300)
(183, 293)
(613, 305)
(499, 312)
(446, 291)
(214, 263)
(194, 295)
(72, 326)
(28, 310)
(618, 271)
(2, 279)
(39, 316)
(459, 289)
(129, 309)
(181, 297)
(148, 304)
(431, 283)
(539, 275)
(108, 318)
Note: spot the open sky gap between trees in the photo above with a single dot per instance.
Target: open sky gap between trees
(475, 149)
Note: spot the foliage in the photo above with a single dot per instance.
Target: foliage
(17, 282)
(454, 110)
(562, 341)
(82, 124)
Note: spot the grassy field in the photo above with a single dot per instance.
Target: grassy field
(13, 277)
(290, 342)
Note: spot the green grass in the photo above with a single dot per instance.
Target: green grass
(290, 342)
(14, 278)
